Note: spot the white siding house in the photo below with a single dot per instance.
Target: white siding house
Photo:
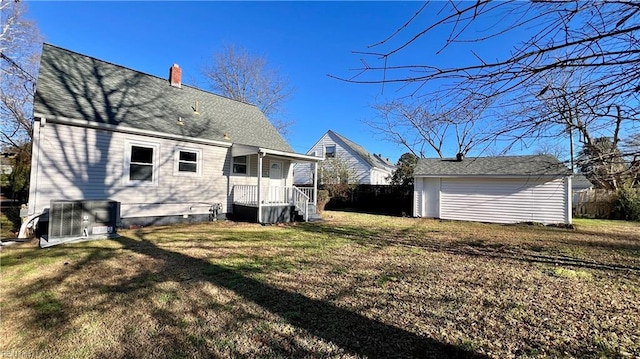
(508, 189)
(366, 168)
(167, 152)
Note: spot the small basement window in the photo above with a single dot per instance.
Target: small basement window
(240, 165)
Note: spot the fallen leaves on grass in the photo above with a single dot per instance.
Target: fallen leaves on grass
(350, 287)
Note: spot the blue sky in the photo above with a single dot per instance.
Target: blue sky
(304, 40)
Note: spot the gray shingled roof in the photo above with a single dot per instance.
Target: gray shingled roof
(580, 181)
(372, 159)
(80, 87)
(535, 165)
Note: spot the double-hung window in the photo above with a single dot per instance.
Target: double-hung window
(188, 161)
(141, 163)
(240, 164)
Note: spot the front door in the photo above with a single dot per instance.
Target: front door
(276, 183)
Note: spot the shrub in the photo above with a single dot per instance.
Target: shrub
(627, 204)
(323, 198)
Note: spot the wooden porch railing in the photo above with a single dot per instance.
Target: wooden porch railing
(308, 191)
(301, 203)
(245, 194)
(273, 195)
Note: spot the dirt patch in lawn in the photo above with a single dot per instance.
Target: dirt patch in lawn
(352, 286)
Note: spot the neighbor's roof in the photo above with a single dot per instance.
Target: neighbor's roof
(80, 87)
(372, 159)
(580, 181)
(535, 165)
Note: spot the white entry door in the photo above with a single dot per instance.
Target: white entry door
(276, 183)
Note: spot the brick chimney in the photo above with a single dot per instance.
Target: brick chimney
(175, 76)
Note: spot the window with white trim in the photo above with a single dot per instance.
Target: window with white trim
(330, 151)
(240, 165)
(188, 161)
(141, 163)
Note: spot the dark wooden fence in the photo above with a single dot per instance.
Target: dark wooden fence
(390, 200)
(593, 203)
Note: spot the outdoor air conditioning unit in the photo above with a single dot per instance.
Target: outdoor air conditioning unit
(71, 221)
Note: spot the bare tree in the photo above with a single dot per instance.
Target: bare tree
(338, 176)
(577, 73)
(550, 148)
(602, 162)
(235, 73)
(566, 108)
(20, 46)
(421, 125)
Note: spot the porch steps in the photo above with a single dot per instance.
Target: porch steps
(313, 214)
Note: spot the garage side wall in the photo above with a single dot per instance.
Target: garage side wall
(418, 195)
(504, 200)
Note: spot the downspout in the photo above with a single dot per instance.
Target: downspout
(569, 199)
(35, 165)
(260, 157)
(315, 185)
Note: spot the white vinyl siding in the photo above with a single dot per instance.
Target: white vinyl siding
(503, 200)
(79, 163)
(380, 177)
(418, 197)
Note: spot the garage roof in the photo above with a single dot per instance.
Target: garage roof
(532, 165)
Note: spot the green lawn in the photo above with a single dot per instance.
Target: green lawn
(353, 286)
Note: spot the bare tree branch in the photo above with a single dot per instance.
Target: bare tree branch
(20, 46)
(577, 72)
(235, 73)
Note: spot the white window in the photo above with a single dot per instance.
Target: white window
(141, 162)
(188, 161)
(330, 151)
(240, 165)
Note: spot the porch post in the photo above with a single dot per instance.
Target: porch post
(315, 184)
(260, 156)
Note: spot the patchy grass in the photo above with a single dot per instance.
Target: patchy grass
(570, 273)
(353, 286)
(9, 222)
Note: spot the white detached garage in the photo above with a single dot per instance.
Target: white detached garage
(506, 189)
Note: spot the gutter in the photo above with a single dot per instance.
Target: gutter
(129, 130)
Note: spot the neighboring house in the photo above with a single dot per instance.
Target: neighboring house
(581, 186)
(507, 189)
(580, 183)
(6, 164)
(6, 168)
(367, 168)
(167, 152)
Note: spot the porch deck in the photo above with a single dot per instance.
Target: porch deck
(278, 204)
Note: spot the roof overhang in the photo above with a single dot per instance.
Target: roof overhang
(246, 150)
(124, 129)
